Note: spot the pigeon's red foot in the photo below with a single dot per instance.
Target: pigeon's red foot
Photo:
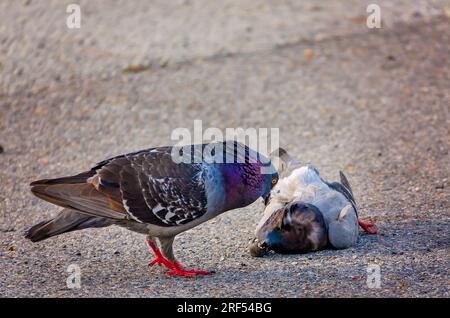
(159, 258)
(161, 261)
(176, 269)
(368, 227)
(180, 271)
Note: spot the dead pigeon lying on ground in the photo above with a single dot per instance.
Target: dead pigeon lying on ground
(149, 193)
(305, 213)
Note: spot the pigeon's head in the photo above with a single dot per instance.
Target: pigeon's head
(248, 180)
(266, 177)
(303, 227)
(270, 179)
(297, 227)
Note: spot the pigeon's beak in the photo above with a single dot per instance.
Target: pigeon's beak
(266, 199)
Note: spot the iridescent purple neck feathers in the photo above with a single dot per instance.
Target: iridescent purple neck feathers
(244, 183)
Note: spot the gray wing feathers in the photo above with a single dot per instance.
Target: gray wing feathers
(284, 162)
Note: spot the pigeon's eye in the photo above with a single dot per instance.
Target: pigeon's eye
(274, 180)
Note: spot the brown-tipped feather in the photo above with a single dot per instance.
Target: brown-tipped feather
(78, 194)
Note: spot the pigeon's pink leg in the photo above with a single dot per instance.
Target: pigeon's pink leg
(159, 258)
(367, 227)
(180, 271)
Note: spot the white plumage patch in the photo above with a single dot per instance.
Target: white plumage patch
(124, 202)
(157, 208)
(305, 184)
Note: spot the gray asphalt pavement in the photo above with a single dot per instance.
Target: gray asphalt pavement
(372, 102)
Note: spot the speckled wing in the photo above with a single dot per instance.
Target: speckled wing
(153, 188)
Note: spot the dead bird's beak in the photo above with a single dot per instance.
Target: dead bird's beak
(258, 249)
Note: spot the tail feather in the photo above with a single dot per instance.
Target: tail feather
(77, 193)
(79, 178)
(66, 221)
(345, 182)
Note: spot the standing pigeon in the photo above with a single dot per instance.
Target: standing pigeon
(151, 193)
(304, 212)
